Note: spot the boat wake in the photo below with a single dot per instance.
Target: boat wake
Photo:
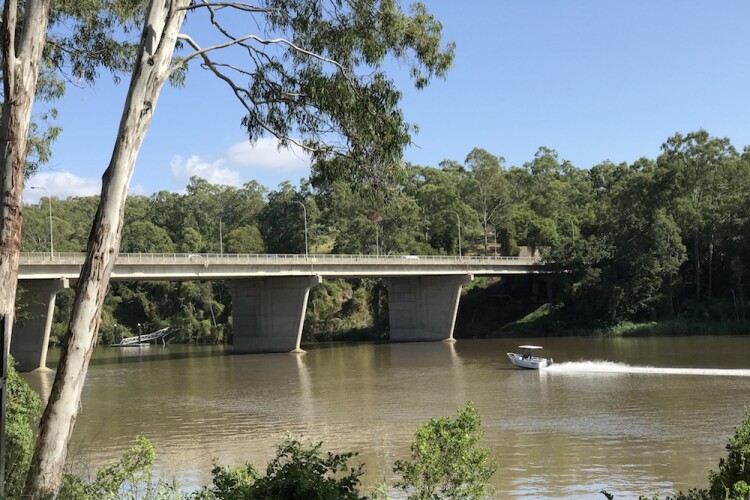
(612, 367)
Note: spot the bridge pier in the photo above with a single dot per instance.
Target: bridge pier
(268, 313)
(424, 308)
(31, 335)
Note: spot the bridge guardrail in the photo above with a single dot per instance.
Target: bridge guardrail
(40, 258)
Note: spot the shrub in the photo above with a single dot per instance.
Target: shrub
(23, 407)
(446, 461)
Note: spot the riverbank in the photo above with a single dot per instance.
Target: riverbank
(546, 321)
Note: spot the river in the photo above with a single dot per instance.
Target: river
(635, 415)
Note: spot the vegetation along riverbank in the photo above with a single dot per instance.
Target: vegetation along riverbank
(625, 244)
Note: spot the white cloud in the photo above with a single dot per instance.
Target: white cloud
(265, 154)
(213, 171)
(60, 185)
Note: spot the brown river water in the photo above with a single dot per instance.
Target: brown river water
(630, 416)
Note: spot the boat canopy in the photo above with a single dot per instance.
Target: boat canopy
(530, 346)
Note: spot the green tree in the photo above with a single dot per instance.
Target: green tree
(690, 171)
(485, 188)
(144, 236)
(447, 461)
(281, 221)
(245, 239)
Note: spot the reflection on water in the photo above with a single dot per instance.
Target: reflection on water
(655, 415)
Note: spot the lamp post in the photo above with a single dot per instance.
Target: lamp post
(459, 231)
(304, 213)
(51, 243)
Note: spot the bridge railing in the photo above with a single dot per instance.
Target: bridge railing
(40, 258)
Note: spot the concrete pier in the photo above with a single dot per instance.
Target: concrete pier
(31, 335)
(268, 313)
(424, 308)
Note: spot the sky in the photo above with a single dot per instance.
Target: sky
(594, 80)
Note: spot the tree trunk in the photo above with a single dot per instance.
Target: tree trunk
(20, 73)
(710, 267)
(696, 257)
(155, 54)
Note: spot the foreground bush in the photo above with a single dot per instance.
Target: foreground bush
(447, 461)
(23, 407)
(297, 471)
(128, 478)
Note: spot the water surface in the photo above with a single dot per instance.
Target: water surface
(627, 415)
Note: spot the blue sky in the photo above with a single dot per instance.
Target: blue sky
(592, 79)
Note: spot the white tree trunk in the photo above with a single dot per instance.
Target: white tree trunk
(20, 73)
(157, 47)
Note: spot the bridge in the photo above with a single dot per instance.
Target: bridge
(270, 292)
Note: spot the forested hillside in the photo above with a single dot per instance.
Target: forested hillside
(660, 238)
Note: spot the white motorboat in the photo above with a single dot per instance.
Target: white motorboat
(527, 359)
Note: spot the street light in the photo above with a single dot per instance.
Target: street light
(304, 213)
(459, 230)
(51, 244)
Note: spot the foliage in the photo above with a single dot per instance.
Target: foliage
(23, 407)
(446, 461)
(623, 237)
(732, 480)
(297, 471)
(128, 478)
(229, 482)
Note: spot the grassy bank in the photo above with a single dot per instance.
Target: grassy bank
(550, 320)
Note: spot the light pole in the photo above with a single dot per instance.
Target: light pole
(304, 213)
(49, 198)
(459, 230)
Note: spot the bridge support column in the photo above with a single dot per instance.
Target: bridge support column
(31, 335)
(268, 313)
(424, 308)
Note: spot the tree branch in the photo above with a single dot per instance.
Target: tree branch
(238, 92)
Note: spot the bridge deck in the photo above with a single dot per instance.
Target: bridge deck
(178, 266)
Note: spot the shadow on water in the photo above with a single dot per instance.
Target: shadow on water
(105, 355)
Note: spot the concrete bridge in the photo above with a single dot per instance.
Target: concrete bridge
(269, 292)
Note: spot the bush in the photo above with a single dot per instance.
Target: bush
(297, 471)
(733, 477)
(23, 407)
(447, 461)
(128, 478)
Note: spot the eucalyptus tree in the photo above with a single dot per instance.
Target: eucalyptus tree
(485, 188)
(692, 172)
(438, 196)
(32, 63)
(311, 75)
(281, 221)
(624, 258)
